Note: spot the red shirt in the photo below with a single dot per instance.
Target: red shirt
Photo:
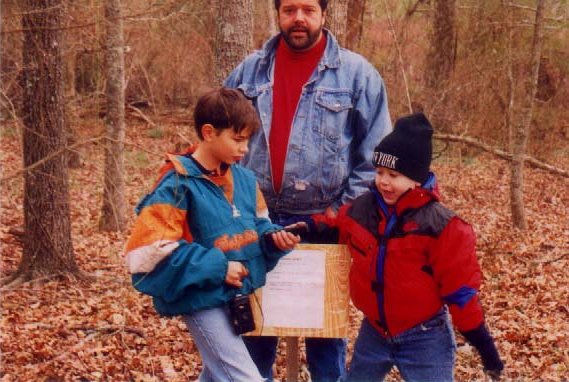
(292, 71)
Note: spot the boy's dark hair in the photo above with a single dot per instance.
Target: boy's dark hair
(224, 108)
(323, 4)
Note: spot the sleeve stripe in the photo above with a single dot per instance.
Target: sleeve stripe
(460, 297)
(145, 258)
(158, 222)
(262, 209)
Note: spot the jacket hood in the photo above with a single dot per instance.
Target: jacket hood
(181, 163)
(432, 185)
(415, 198)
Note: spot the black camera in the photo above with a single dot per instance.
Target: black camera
(241, 314)
(297, 229)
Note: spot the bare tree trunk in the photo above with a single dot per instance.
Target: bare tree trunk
(441, 59)
(510, 94)
(47, 247)
(523, 124)
(234, 37)
(271, 15)
(337, 19)
(73, 156)
(113, 210)
(356, 12)
(480, 16)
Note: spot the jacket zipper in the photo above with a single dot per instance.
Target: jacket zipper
(380, 265)
(234, 210)
(358, 249)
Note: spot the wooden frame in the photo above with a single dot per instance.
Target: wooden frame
(336, 294)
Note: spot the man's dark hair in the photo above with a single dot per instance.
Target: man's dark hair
(323, 4)
(225, 108)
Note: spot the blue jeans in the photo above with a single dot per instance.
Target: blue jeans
(424, 353)
(326, 357)
(224, 356)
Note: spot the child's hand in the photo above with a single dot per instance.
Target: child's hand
(235, 273)
(330, 213)
(285, 240)
(481, 339)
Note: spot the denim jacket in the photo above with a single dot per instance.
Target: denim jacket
(341, 116)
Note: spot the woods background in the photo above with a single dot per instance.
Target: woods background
(492, 75)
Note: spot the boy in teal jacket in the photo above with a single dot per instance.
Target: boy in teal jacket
(198, 241)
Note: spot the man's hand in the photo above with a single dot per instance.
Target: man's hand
(235, 273)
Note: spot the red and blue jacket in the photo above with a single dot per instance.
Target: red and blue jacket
(410, 260)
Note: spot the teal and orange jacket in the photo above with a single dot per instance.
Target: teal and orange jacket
(187, 230)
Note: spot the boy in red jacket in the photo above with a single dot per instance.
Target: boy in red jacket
(413, 261)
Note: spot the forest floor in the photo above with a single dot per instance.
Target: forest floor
(103, 330)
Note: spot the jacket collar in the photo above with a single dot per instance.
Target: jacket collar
(330, 58)
(412, 199)
(182, 163)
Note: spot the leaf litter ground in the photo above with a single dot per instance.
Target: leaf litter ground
(103, 330)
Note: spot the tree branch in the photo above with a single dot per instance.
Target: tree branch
(110, 329)
(553, 260)
(141, 115)
(72, 147)
(49, 157)
(501, 153)
(140, 16)
(412, 9)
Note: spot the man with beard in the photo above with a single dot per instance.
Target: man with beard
(322, 109)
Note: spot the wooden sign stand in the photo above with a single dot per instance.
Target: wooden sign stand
(336, 306)
(291, 359)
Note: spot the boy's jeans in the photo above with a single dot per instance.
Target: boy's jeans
(224, 356)
(423, 353)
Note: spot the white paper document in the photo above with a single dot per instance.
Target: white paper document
(293, 296)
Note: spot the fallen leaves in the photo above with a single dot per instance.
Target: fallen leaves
(104, 330)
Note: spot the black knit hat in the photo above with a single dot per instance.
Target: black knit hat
(408, 148)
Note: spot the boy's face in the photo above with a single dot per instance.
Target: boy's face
(301, 22)
(229, 147)
(392, 184)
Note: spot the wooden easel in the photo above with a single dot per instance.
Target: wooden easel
(291, 359)
(336, 307)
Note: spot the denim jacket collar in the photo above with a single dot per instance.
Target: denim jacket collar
(330, 58)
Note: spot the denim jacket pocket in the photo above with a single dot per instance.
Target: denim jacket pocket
(333, 107)
(334, 100)
(332, 124)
